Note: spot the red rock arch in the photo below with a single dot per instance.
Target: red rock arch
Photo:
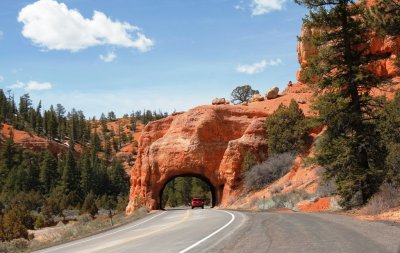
(207, 141)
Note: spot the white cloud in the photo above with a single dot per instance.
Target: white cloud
(1, 34)
(109, 57)
(260, 7)
(52, 26)
(31, 85)
(257, 67)
(1, 79)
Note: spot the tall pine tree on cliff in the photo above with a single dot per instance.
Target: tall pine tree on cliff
(338, 72)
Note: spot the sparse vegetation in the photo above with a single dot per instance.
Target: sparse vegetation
(386, 198)
(248, 162)
(284, 200)
(261, 175)
(84, 226)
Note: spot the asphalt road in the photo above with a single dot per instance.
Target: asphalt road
(213, 230)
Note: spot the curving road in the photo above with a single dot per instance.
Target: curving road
(213, 230)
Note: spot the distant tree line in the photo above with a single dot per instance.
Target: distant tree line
(36, 187)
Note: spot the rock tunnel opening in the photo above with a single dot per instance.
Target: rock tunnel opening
(180, 189)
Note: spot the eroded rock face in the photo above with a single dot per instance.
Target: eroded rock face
(207, 141)
(386, 46)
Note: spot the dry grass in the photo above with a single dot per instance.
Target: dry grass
(269, 171)
(83, 227)
(285, 200)
(387, 198)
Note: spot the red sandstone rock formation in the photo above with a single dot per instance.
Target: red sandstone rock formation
(386, 46)
(207, 141)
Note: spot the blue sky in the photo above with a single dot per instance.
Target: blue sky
(124, 55)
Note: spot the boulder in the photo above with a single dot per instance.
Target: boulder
(220, 101)
(256, 98)
(272, 93)
(300, 101)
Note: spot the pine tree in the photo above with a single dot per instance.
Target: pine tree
(119, 178)
(48, 172)
(86, 182)
(25, 103)
(389, 127)
(70, 176)
(39, 119)
(338, 73)
(384, 17)
(7, 154)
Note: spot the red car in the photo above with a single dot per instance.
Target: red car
(197, 202)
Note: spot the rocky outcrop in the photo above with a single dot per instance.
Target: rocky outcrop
(386, 47)
(208, 141)
(272, 93)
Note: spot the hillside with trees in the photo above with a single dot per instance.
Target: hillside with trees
(86, 171)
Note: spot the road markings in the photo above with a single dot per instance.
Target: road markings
(123, 241)
(210, 235)
(100, 236)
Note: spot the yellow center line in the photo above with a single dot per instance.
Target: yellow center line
(130, 239)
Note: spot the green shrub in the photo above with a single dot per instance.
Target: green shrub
(286, 129)
(39, 222)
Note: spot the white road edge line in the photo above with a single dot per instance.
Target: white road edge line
(210, 235)
(99, 236)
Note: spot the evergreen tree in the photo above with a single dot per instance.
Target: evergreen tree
(29, 168)
(384, 17)
(119, 178)
(25, 103)
(286, 129)
(70, 176)
(349, 150)
(7, 154)
(86, 182)
(48, 172)
(39, 120)
(389, 128)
